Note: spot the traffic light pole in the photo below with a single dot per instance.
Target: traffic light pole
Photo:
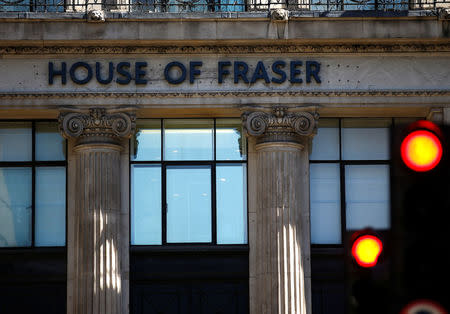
(420, 201)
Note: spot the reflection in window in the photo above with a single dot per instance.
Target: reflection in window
(15, 141)
(231, 143)
(231, 204)
(358, 5)
(325, 203)
(15, 206)
(349, 178)
(179, 6)
(146, 204)
(20, 172)
(188, 204)
(50, 206)
(325, 145)
(50, 145)
(366, 139)
(188, 139)
(197, 192)
(32, 5)
(367, 196)
(146, 144)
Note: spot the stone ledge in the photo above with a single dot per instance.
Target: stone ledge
(186, 16)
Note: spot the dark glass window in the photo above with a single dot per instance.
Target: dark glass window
(188, 182)
(32, 184)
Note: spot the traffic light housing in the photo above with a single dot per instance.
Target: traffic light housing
(421, 146)
(409, 267)
(367, 272)
(420, 201)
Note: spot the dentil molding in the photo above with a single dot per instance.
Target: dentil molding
(229, 49)
(240, 94)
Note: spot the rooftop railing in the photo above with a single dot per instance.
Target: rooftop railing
(204, 6)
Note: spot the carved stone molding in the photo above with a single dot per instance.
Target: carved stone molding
(443, 13)
(97, 125)
(229, 49)
(96, 16)
(240, 94)
(279, 15)
(280, 125)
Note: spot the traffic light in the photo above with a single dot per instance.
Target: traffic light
(367, 272)
(366, 249)
(421, 148)
(420, 202)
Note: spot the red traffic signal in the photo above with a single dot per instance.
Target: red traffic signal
(421, 149)
(423, 306)
(366, 249)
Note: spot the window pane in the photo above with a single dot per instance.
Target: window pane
(230, 141)
(365, 139)
(146, 205)
(231, 6)
(146, 143)
(50, 145)
(50, 224)
(325, 202)
(231, 204)
(15, 207)
(189, 204)
(50, 6)
(367, 196)
(188, 139)
(18, 6)
(15, 141)
(325, 145)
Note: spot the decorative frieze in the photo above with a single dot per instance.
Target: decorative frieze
(280, 125)
(97, 126)
(230, 49)
(240, 94)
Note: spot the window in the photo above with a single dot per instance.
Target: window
(188, 182)
(349, 178)
(32, 6)
(32, 184)
(353, 5)
(145, 6)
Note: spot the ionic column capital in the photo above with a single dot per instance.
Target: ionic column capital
(97, 126)
(280, 126)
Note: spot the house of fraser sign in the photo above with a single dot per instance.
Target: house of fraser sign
(210, 75)
(176, 72)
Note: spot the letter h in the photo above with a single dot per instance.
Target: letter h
(52, 73)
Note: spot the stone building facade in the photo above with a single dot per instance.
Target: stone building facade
(280, 72)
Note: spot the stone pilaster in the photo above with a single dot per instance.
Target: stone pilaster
(446, 115)
(280, 275)
(96, 251)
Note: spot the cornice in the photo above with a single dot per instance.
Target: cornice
(202, 94)
(228, 49)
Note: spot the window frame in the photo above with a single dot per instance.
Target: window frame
(33, 164)
(196, 246)
(342, 163)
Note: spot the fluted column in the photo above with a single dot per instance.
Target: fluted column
(95, 249)
(280, 276)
